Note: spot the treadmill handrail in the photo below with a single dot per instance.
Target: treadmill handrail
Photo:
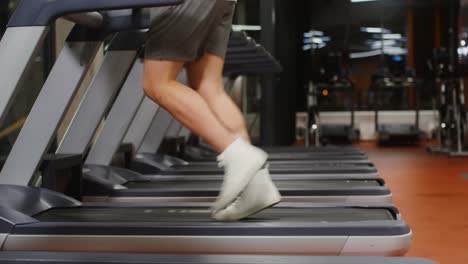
(90, 19)
(44, 12)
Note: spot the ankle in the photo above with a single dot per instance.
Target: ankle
(242, 150)
(245, 137)
(223, 143)
(233, 147)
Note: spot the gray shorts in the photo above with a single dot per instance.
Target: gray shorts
(188, 31)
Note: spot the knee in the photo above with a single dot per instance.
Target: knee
(155, 88)
(211, 91)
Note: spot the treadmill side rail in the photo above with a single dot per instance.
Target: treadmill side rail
(181, 244)
(281, 245)
(394, 246)
(87, 258)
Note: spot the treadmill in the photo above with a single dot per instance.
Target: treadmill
(150, 163)
(319, 153)
(152, 124)
(96, 258)
(281, 154)
(388, 90)
(35, 219)
(147, 162)
(336, 94)
(111, 184)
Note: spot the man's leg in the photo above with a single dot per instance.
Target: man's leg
(183, 103)
(206, 77)
(241, 160)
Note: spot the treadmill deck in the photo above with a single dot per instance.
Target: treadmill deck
(202, 215)
(282, 185)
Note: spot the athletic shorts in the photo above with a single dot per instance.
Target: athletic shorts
(189, 31)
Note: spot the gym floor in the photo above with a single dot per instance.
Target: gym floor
(431, 192)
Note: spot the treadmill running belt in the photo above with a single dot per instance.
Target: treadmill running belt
(311, 165)
(282, 185)
(169, 215)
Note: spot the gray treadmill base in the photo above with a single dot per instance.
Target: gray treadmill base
(80, 258)
(311, 246)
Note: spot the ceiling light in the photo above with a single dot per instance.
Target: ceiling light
(375, 30)
(392, 36)
(359, 1)
(246, 28)
(313, 33)
(366, 54)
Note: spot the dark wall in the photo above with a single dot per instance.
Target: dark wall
(281, 35)
(425, 37)
(3, 16)
(288, 44)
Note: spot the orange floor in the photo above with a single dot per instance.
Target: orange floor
(432, 194)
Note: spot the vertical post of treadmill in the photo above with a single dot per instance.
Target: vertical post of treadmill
(141, 123)
(97, 100)
(119, 119)
(353, 136)
(156, 132)
(307, 132)
(268, 23)
(376, 107)
(417, 106)
(16, 59)
(453, 32)
(458, 112)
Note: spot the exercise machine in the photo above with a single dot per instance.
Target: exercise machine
(452, 133)
(390, 90)
(37, 220)
(333, 91)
